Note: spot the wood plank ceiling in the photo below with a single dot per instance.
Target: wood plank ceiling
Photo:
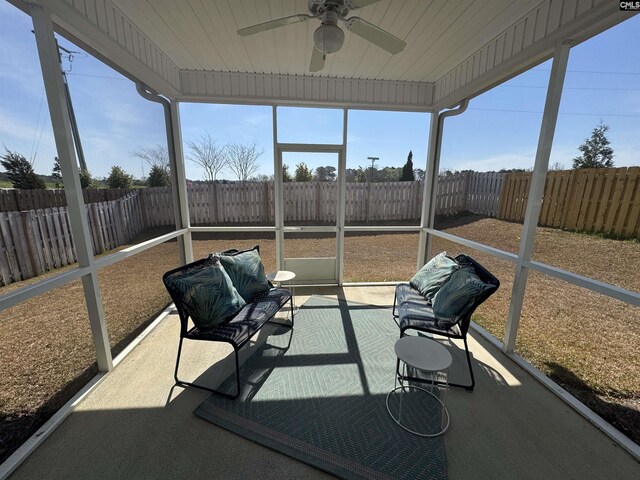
(200, 35)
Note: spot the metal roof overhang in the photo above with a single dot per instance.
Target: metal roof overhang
(525, 37)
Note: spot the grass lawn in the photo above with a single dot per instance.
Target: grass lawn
(588, 343)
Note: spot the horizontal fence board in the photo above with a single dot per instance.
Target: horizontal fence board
(22, 200)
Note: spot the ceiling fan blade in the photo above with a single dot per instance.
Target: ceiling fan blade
(375, 35)
(317, 60)
(354, 4)
(281, 22)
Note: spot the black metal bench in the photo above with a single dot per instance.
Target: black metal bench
(236, 331)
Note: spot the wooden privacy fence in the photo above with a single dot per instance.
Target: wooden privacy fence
(387, 201)
(253, 202)
(452, 193)
(603, 200)
(36, 241)
(115, 223)
(483, 193)
(211, 204)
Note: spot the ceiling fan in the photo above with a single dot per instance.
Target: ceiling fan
(329, 37)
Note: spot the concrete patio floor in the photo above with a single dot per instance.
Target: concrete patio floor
(136, 425)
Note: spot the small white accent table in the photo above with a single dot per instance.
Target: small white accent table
(284, 276)
(427, 356)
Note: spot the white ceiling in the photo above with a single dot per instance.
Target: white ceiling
(440, 34)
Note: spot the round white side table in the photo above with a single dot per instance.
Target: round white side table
(284, 276)
(427, 356)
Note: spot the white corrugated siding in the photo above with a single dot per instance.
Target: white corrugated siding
(539, 24)
(227, 86)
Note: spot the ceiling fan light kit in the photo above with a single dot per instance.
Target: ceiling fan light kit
(329, 37)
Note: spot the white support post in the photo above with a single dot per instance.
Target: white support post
(431, 179)
(430, 186)
(278, 197)
(176, 166)
(54, 87)
(536, 190)
(342, 188)
(181, 182)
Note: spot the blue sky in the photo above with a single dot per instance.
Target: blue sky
(499, 130)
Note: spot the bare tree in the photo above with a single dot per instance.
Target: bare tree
(156, 156)
(206, 153)
(243, 159)
(556, 166)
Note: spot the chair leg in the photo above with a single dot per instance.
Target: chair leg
(395, 316)
(395, 299)
(235, 350)
(473, 380)
(182, 383)
(291, 302)
(292, 315)
(175, 373)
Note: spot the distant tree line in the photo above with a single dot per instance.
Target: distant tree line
(242, 160)
(405, 173)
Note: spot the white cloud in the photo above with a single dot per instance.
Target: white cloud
(24, 138)
(563, 155)
(122, 117)
(13, 128)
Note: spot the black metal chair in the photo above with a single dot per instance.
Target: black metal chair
(411, 311)
(236, 331)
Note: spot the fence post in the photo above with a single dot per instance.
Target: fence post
(417, 185)
(125, 221)
(213, 206)
(30, 244)
(465, 191)
(20, 245)
(265, 202)
(16, 199)
(367, 202)
(505, 195)
(318, 202)
(142, 198)
(501, 184)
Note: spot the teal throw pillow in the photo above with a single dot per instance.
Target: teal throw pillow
(432, 276)
(246, 271)
(458, 295)
(206, 294)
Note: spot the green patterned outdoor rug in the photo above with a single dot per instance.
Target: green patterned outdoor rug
(317, 393)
